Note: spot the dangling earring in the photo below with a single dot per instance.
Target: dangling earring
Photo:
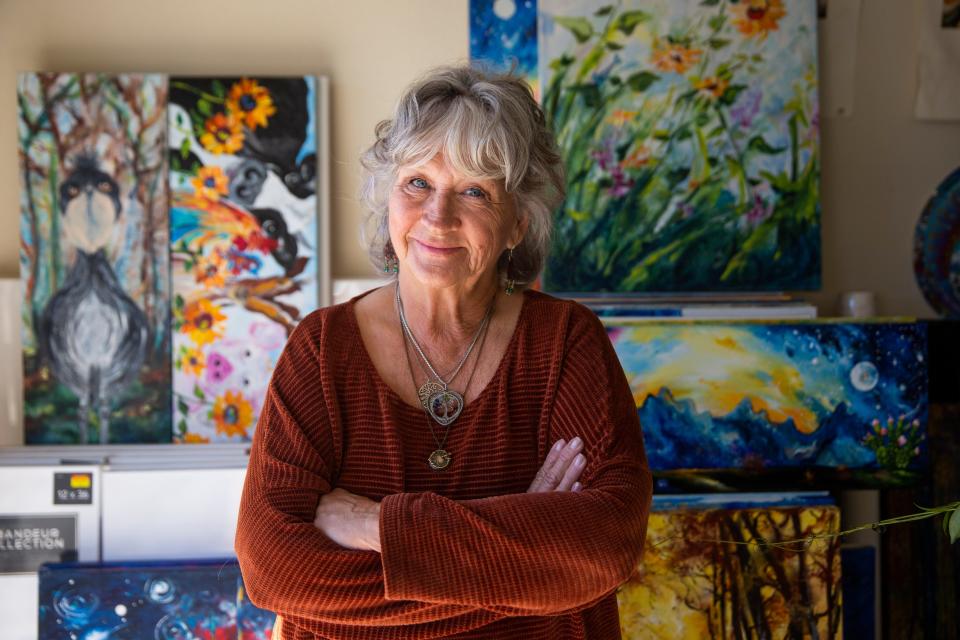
(511, 283)
(391, 264)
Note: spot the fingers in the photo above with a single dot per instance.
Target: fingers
(561, 468)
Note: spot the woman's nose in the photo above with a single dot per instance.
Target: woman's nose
(440, 209)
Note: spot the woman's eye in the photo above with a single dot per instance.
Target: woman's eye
(476, 192)
(419, 183)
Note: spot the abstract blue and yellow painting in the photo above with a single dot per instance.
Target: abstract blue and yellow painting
(166, 601)
(503, 36)
(763, 397)
(690, 136)
(94, 258)
(243, 186)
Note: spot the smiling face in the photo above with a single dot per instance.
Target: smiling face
(449, 229)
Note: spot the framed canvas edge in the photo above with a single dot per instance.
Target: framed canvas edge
(322, 106)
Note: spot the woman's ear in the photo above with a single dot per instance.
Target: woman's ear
(519, 230)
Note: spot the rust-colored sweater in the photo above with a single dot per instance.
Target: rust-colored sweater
(466, 553)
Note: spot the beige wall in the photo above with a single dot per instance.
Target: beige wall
(879, 166)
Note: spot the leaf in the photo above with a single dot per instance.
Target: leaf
(204, 107)
(579, 216)
(716, 22)
(182, 406)
(955, 526)
(218, 89)
(603, 11)
(628, 21)
(182, 427)
(709, 3)
(178, 299)
(561, 62)
(179, 119)
(590, 93)
(641, 80)
(581, 28)
(614, 46)
(185, 148)
(198, 392)
(757, 143)
(718, 43)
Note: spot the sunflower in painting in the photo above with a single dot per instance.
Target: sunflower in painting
(202, 321)
(191, 361)
(758, 17)
(232, 414)
(222, 134)
(193, 438)
(711, 87)
(210, 183)
(674, 56)
(250, 103)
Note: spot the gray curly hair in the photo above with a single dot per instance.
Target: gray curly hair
(487, 125)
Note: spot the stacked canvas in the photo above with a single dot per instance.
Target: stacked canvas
(148, 319)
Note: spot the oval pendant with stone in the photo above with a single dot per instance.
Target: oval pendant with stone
(426, 390)
(439, 459)
(444, 406)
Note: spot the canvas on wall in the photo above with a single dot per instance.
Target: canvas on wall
(170, 600)
(690, 135)
(698, 578)
(846, 400)
(94, 258)
(244, 257)
(503, 35)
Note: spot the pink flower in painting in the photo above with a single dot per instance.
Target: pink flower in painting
(883, 431)
(916, 422)
(218, 368)
(875, 423)
(760, 210)
(746, 108)
(902, 440)
(268, 335)
(916, 451)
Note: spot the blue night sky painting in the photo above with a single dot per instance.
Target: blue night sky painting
(165, 601)
(768, 396)
(504, 31)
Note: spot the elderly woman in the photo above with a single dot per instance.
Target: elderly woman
(452, 455)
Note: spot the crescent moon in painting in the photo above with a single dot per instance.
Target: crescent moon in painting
(864, 376)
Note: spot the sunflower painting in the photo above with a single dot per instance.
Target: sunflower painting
(712, 185)
(243, 189)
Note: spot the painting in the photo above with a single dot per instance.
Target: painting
(199, 600)
(951, 14)
(94, 258)
(936, 259)
(503, 35)
(690, 137)
(244, 242)
(816, 401)
(700, 576)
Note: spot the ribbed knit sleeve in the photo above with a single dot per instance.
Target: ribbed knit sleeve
(288, 565)
(536, 554)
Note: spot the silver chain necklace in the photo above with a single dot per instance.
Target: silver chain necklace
(442, 403)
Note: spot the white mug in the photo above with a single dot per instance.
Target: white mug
(858, 304)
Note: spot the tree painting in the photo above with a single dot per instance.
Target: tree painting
(94, 258)
(690, 135)
(243, 168)
(698, 579)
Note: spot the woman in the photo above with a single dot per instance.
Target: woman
(449, 456)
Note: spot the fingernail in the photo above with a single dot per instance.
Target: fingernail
(577, 486)
(579, 460)
(558, 444)
(575, 443)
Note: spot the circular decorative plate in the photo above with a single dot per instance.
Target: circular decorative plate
(936, 248)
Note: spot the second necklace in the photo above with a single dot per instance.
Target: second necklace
(442, 403)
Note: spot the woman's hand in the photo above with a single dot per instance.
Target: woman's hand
(561, 469)
(350, 520)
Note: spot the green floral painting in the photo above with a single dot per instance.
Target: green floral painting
(690, 135)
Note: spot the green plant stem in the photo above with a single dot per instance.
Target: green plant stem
(203, 94)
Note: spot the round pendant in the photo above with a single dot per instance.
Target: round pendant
(426, 390)
(439, 460)
(444, 406)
